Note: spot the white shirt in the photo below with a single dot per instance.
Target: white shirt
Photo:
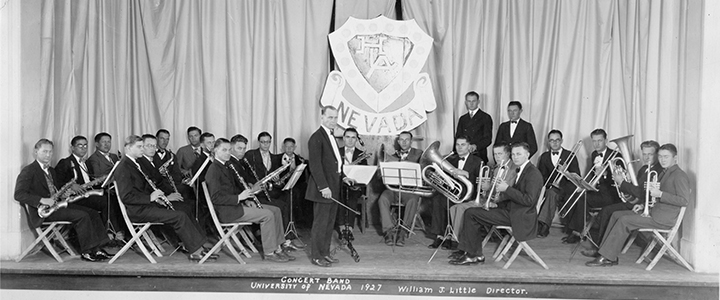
(555, 158)
(522, 168)
(462, 160)
(473, 112)
(83, 169)
(349, 154)
(513, 126)
(336, 149)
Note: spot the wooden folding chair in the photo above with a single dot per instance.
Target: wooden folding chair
(227, 231)
(506, 244)
(139, 232)
(45, 234)
(665, 237)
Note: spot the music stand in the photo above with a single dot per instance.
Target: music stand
(196, 187)
(404, 175)
(585, 187)
(289, 186)
(105, 184)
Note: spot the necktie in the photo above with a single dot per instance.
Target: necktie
(472, 115)
(107, 156)
(49, 181)
(555, 152)
(517, 170)
(196, 151)
(662, 173)
(266, 161)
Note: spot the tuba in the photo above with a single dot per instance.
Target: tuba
(444, 177)
(626, 169)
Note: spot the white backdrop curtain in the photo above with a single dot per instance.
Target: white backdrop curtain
(631, 67)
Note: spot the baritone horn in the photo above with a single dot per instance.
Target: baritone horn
(444, 177)
(627, 169)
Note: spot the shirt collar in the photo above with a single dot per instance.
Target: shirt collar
(473, 112)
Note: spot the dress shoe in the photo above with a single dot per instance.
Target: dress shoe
(102, 254)
(199, 256)
(212, 256)
(400, 240)
(436, 243)
(601, 261)
(287, 255)
(331, 259)
(455, 255)
(451, 245)
(389, 238)
(298, 244)
(543, 230)
(88, 256)
(276, 257)
(288, 246)
(466, 259)
(321, 262)
(573, 239)
(590, 253)
(350, 236)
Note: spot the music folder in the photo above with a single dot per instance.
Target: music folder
(401, 173)
(578, 181)
(361, 174)
(295, 176)
(110, 175)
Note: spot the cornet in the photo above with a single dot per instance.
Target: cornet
(652, 179)
(500, 176)
(483, 174)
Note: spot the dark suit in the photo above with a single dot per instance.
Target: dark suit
(101, 165)
(520, 213)
(675, 187)
(68, 169)
(203, 214)
(478, 129)
(188, 204)
(302, 210)
(439, 205)
(135, 193)
(186, 157)
(350, 196)
(555, 195)
(388, 197)
(32, 185)
(523, 133)
(606, 194)
(626, 187)
(324, 173)
(254, 158)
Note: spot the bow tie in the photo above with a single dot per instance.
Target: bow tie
(161, 151)
(600, 154)
(45, 167)
(404, 152)
(555, 152)
(514, 122)
(462, 158)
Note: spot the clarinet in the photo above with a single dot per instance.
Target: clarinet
(165, 202)
(246, 186)
(257, 178)
(164, 171)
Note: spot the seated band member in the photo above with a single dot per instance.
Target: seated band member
(36, 184)
(238, 144)
(145, 204)
(649, 156)
(102, 162)
(606, 193)
(469, 166)
(672, 193)
(263, 163)
(388, 197)
(555, 195)
(187, 154)
(501, 154)
(150, 168)
(233, 203)
(207, 142)
(74, 168)
(165, 161)
(349, 154)
(302, 209)
(520, 212)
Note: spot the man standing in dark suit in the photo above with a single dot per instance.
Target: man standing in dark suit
(35, 186)
(650, 163)
(325, 165)
(469, 166)
(351, 194)
(145, 204)
(387, 198)
(74, 168)
(606, 194)
(517, 130)
(520, 213)
(557, 157)
(476, 125)
(672, 193)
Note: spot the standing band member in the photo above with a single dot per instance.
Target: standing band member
(517, 130)
(476, 125)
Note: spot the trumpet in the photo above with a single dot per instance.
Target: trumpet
(483, 174)
(652, 179)
(500, 176)
(579, 192)
(246, 186)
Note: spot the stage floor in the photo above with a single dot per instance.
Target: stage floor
(381, 270)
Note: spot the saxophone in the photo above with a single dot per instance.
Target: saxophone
(246, 186)
(58, 194)
(165, 173)
(45, 211)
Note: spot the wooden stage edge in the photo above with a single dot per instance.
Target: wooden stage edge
(381, 271)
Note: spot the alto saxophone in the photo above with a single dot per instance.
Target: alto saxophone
(45, 211)
(246, 186)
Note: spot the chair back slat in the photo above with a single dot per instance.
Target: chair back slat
(123, 210)
(676, 227)
(211, 208)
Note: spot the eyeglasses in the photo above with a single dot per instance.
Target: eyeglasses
(81, 145)
(555, 140)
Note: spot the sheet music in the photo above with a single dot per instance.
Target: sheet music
(361, 174)
(407, 174)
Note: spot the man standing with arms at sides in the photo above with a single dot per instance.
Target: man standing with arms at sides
(325, 165)
(476, 125)
(519, 213)
(517, 130)
(555, 196)
(189, 153)
(101, 162)
(387, 198)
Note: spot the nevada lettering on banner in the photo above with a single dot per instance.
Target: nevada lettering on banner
(379, 89)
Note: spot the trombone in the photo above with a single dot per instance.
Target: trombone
(571, 157)
(579, 192)
(652, 179)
